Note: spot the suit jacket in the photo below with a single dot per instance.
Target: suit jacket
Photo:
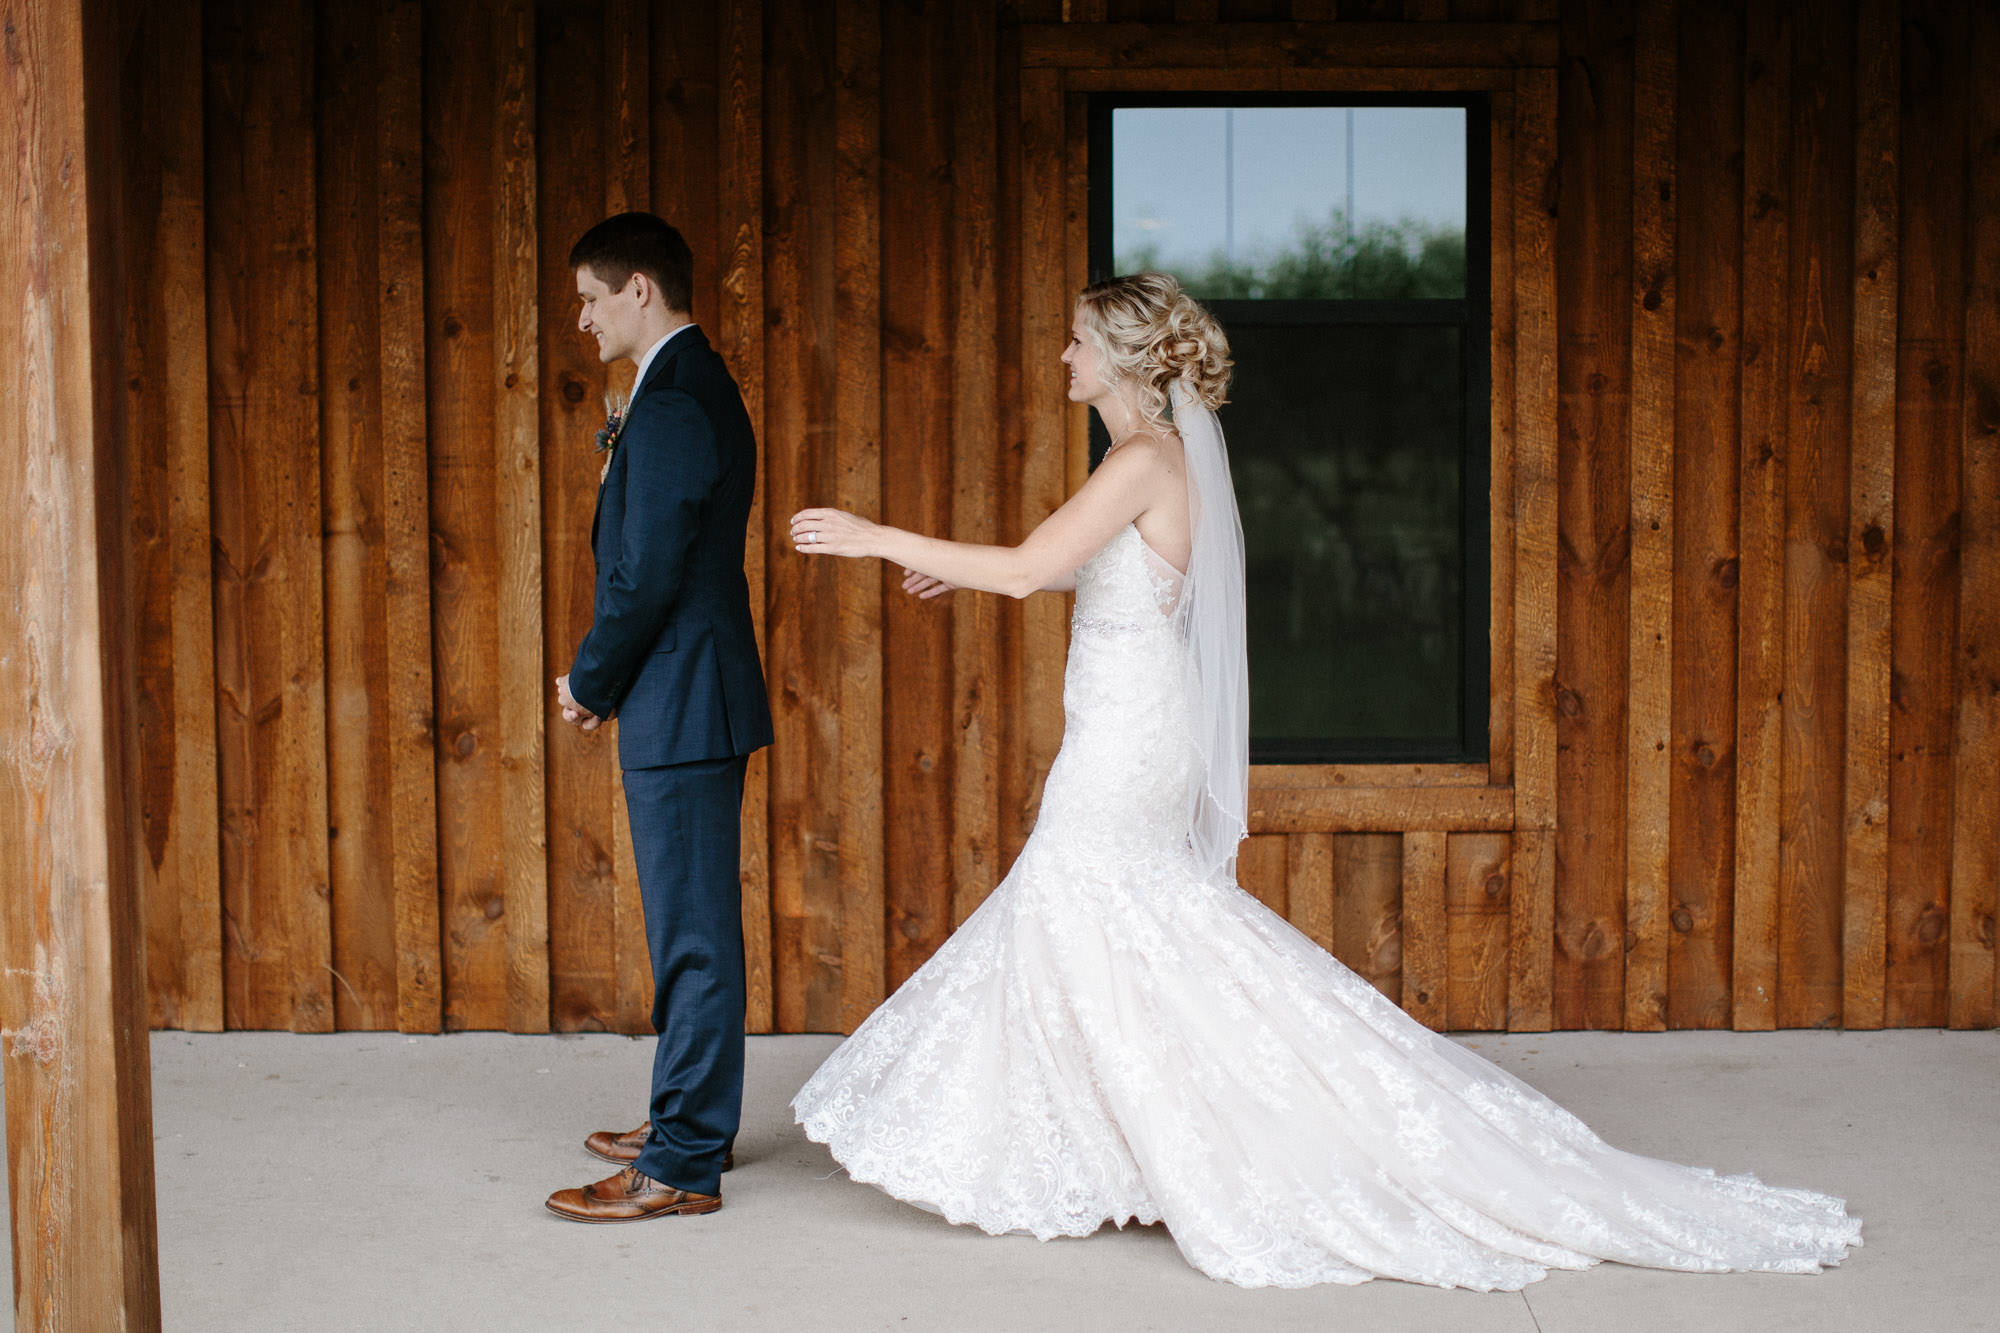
(671, 651)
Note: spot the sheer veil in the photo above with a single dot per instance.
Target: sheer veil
(1211, 614)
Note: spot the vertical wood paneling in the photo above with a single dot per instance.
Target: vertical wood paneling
(740, 298)
(597, 935)
(1593, 583)
(1921, 433)
(1309, 885)
(917, 483)
(264, 441)
(354, 548)
(1708, 692)
(802, 639)
(459, 230)
(857, 109)
(1650, 650)
(1975, 843)
(1531, 980)
(166, 353)
(405, 506)
(1761, 490)
(1476, 917)
(1368, 907)
(1425, 958)
(1871, 504)
(976, 677)
(1821, 337)
(1707, 394)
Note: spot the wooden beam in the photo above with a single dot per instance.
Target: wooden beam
(1707, 397)
(1045, 314)
(517, 462)
(857, 276)
(1475, 923)
(1424, 958)
(406, 525)
(1380, 809)
(167, 347)
(1368, 908)
(1761, 490)
(1811, 876)
(1531, 901)
(916, 282)
(1370, 775)
(1261, 869)
(1650, 640)
(1915, 686)
(1975, 864)
(359, 859)
(1593, 576)
(1291, 79)
(1286, 45)
(1871, 508)
(740, 321)
(1502, 132)
(72, 946)
(266, 515)
(1309, 886)
(801, 647)
(975, 484)
(600, 977)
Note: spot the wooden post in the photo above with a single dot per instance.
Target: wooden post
(72, 993)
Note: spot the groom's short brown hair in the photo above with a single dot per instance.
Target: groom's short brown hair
(629, 243)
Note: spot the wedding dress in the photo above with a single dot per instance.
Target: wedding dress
(1120, 1032)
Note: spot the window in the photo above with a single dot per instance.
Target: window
(1343, 247)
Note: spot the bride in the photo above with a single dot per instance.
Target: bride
(1120, 1032)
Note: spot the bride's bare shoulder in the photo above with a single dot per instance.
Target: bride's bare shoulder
(1148, 449)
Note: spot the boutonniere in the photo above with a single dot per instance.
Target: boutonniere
(615, 408)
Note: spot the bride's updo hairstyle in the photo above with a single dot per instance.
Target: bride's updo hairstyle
(1147, 330)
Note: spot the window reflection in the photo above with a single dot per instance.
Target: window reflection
(1291, 203)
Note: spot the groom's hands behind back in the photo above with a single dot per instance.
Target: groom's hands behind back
(572, 711)
(923, 585)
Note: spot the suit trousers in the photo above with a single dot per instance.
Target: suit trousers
(686, 823)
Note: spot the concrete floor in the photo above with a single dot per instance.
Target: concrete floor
(378, 1182)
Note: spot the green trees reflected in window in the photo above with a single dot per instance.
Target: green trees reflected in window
(1410, 259)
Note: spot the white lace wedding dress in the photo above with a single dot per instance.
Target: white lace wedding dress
(1115, 1035)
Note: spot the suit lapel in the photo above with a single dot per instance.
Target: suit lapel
(679, 343)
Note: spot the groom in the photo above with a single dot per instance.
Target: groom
(671, 653)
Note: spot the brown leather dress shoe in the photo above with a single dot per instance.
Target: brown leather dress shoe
(624, 1148)
(629, 1196)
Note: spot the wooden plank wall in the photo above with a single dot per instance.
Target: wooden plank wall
(1745, 505)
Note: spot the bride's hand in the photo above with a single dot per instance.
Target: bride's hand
(923, 585)
(831, 532)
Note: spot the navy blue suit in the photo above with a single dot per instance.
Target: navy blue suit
(672, 654)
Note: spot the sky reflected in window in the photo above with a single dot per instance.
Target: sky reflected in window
(1194, 185)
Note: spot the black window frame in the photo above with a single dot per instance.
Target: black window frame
(1473, 314)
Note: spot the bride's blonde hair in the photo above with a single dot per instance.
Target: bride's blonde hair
(1148, 330)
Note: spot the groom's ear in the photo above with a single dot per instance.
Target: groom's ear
(642, 288)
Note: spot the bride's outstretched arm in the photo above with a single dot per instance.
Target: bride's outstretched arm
(1123, 487)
